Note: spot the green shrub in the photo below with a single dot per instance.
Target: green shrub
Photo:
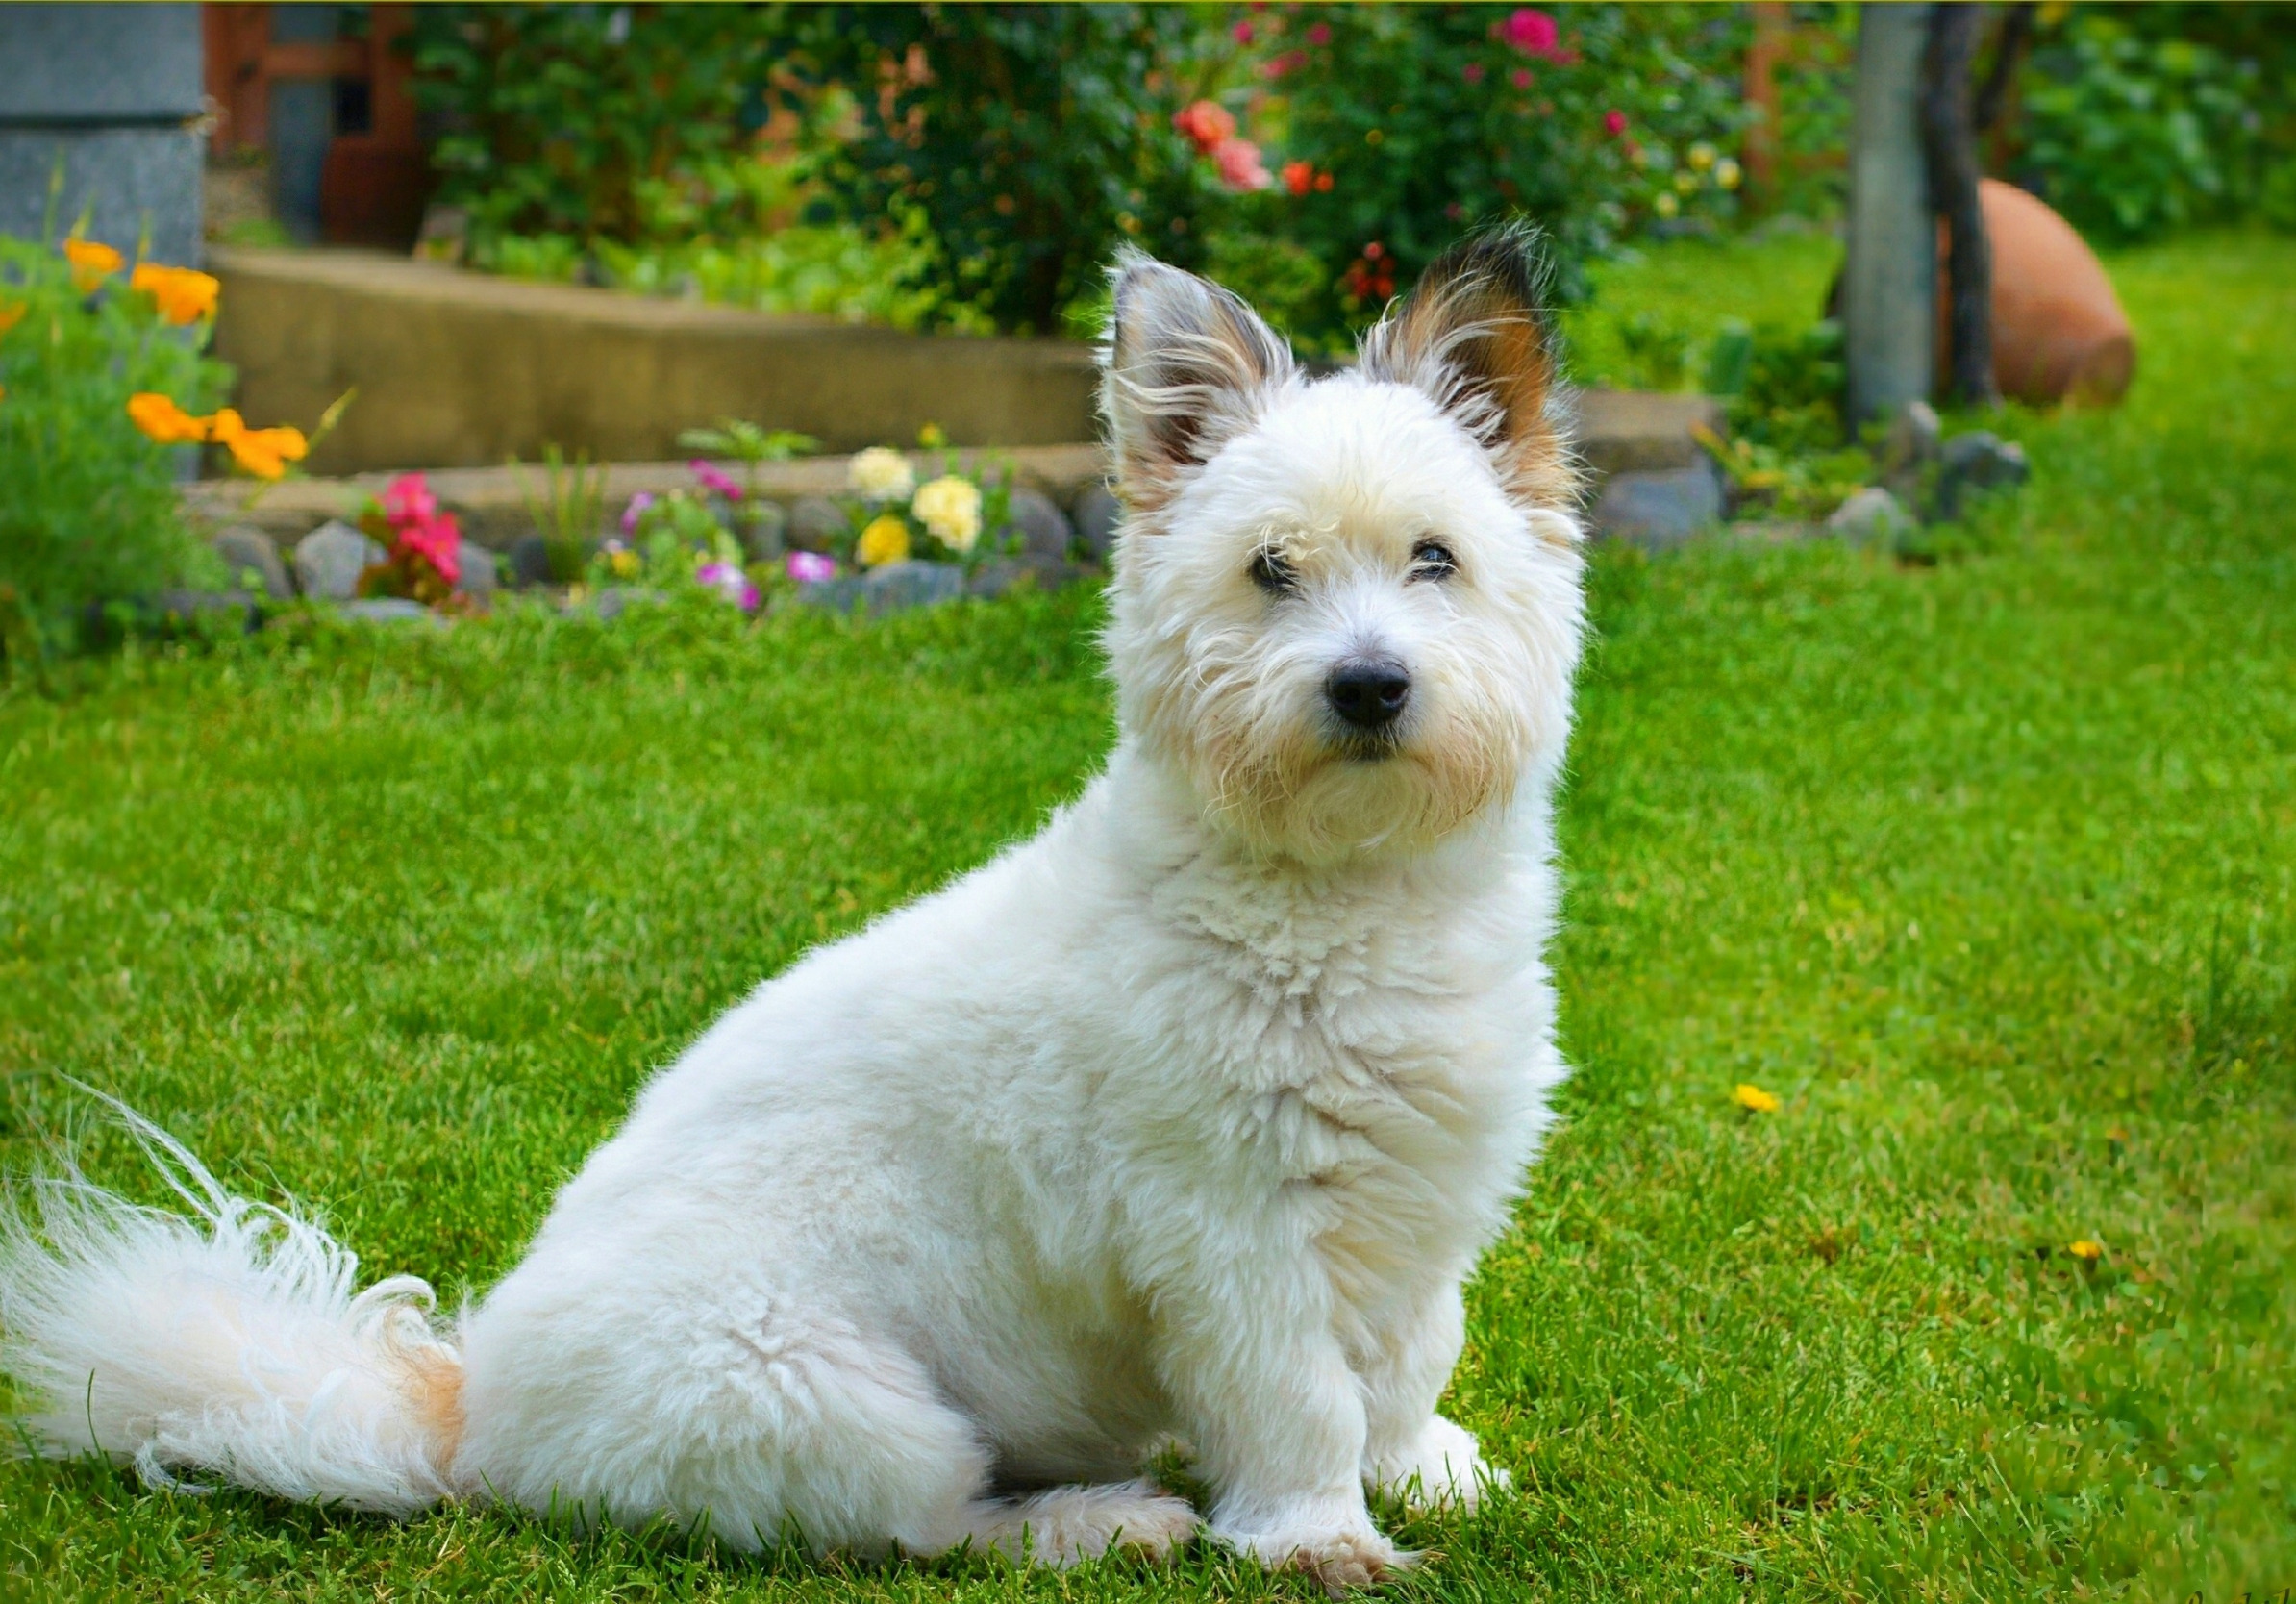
(1033, 139)
(1396, 128)
(87, 504)
(2142, 120)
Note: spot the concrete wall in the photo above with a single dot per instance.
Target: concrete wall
(111, 93)
(458, 369)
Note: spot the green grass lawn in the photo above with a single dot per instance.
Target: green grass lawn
(1988, 870)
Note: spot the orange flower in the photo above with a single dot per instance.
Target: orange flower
(263, 452)
(165, 421)
(182, 295)
(91, 264)
(10, 315)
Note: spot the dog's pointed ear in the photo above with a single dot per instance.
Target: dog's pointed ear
(1474, 336)
(1184, 366)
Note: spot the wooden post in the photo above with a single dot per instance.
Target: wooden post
(1773, 25)
(1949, 149)
(1889, 282)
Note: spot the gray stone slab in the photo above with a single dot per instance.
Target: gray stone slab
(331, 558)
(246, 551)
(100, 63)
(128, 180)
(386, 609)
(1873, 516)
(1043, 527)
(1096, 515)
(1659, 508)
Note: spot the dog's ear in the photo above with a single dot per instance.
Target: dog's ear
(1184, 366)
(1474, 336)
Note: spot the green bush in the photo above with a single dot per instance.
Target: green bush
(2142, 120)
(1032, 138)
(1396, 128)
(87, 504)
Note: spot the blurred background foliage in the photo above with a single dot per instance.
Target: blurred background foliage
(972, 167)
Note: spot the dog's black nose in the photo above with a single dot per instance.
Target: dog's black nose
(1369, 696)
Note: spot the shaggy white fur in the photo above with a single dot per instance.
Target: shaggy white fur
(1182, 1122)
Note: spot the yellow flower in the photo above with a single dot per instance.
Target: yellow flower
(10, 315)
(1727, 173)
(1664, 203)
(950, 508)
(263, 452)
(1684, 183)
(1753, 1099)
(933, 437)
(182, 295)
(166, 422)
(879, 474)
(2086, 1251)
(885, 541)
(1702, 155)
(91, 262)
(623, 563)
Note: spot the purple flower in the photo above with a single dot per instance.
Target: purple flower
(712, 480)
(729, 581)
(635, 510)
(811, 568)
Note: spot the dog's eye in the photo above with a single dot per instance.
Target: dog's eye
(1270, 572)
(1433, 560)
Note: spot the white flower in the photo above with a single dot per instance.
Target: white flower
(950, 509)
(879, 474)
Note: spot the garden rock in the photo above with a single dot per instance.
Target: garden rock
(1001, 574)
(480, 572)
(904, 585)
(386, 609)
(1097, 513)
(1873, 516)
(245, 551)
(1978, 462)
(1910, 449)
(817, 523)
(1659, 508)
(765, 531)
(530, 561)
(1042, 526)
(331, 558)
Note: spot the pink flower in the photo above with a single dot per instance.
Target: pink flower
(635, 510)
(1614, 122)
(811, 568)
(1207, 122)
(1520, 78)
(1319, 33)
(711, 479)
(407, 499)
(1532, 32)
(437, 540)
(729, 582)
(1240, 166)
(1472, 72)
(1243, 32)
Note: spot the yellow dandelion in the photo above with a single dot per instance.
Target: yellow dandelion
(2086, 1251)
(1753, 1099)
(933, 437)
(885, 541)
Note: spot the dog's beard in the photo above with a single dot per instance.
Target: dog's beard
(1293, 786)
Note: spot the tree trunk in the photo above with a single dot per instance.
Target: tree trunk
(1889, 282)
(1949, 148)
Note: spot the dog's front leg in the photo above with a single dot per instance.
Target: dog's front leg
(1275, 1413)
(1409, 1450)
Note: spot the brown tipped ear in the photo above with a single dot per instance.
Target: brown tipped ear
(1474, 336)
(1186, 366)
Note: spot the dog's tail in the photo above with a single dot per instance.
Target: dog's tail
(228, 1345)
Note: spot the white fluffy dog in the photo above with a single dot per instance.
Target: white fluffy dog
(1181, 1123)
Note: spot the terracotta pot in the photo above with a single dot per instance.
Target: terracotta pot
(2058, 331)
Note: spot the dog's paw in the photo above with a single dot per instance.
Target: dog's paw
(1343, 1556)
(1443, 1469)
